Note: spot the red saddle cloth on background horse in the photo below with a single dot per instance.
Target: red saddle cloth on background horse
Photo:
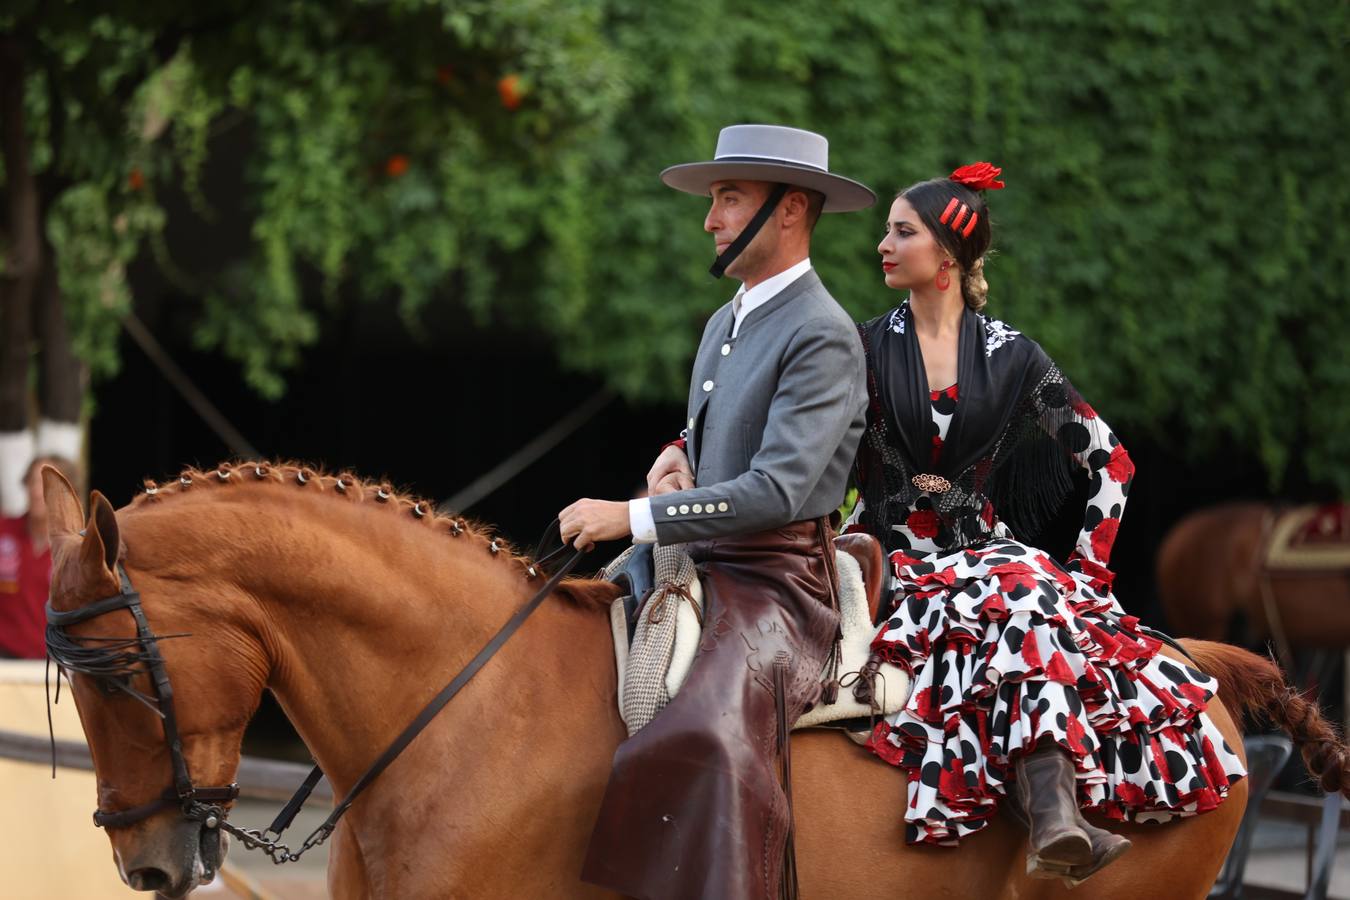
(1310, 539)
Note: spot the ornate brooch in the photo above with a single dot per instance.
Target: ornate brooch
(933, 484)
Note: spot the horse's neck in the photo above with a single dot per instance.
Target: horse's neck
(361, 639)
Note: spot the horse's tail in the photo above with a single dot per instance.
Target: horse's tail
(1255, 684)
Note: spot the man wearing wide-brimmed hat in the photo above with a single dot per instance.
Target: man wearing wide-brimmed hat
(694, 806)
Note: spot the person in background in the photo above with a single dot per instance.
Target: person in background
(26, 568)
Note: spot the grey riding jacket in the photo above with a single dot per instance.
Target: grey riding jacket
(775, 416)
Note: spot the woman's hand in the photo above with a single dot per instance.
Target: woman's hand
(672, 461)
(587, 521)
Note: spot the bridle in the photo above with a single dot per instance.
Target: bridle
(206, 804)
(193, 800)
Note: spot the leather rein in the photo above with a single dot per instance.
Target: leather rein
(205, 804)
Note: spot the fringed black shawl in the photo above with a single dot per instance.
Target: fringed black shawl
(1011, 441)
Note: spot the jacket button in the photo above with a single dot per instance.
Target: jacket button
(722, 507)
(698, 507)
(684, 509)
(670, 510)
(726, 349)
(708, 385)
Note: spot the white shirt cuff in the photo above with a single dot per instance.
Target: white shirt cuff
(640, 521)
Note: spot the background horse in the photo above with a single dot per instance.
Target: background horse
(354, 610)
(1213, 580)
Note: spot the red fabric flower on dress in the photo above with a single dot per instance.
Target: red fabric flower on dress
(1194, 693)
(900, 559)
(1031, 652)
(923, 522)
(1103, 536)
(1076, 736)
(980, 176)
(1058, 670)
(1100, 577)
(1119, 467)
(1132, 795)
(925, 707)
(952, 783)
(879, 744)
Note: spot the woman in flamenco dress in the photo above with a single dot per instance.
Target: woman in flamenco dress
(1030, 683)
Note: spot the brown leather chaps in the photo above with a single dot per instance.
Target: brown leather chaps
(695, 807)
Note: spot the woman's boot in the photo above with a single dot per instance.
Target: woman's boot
(1107, 847)
(1046, 789)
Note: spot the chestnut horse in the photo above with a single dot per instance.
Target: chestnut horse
(1211, 568)
(354, 610)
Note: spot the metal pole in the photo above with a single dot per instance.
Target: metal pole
(517, 462)
(203, 407)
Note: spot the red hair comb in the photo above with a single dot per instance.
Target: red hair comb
(961, 210)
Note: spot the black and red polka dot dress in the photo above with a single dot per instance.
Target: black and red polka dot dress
(1007, 647)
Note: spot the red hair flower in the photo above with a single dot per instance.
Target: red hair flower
(980, 176)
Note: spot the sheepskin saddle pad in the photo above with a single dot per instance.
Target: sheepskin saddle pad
(669, 623)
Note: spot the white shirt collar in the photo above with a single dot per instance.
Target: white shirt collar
(766, 290)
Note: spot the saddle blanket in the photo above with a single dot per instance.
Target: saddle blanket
(669, 629)
(1311, 538)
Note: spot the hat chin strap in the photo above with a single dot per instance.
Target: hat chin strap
(719, 266)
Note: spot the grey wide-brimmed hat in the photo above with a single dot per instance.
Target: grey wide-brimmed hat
(773, 153)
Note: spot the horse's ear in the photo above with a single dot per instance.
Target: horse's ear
(64, 515)
(102, 540)
(83, 555)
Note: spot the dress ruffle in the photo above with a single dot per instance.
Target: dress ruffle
(1006, 648)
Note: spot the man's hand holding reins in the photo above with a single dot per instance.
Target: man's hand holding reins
(587, 521)
(670, 472)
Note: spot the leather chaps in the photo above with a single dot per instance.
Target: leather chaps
(695, 807)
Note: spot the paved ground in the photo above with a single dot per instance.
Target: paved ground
(1278, 859)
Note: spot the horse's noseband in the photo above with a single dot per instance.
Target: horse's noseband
(109, 663)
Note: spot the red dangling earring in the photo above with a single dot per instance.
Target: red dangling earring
(943, 280)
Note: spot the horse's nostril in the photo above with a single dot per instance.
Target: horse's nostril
(147, 879)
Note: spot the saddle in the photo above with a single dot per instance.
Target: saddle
(657, 627)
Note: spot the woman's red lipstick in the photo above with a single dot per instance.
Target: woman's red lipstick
(887, 266)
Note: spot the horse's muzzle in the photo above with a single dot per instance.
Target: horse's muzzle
(175, 858)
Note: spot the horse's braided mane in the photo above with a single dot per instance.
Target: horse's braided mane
(351, 488)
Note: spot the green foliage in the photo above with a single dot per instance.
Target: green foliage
(1175, 229)
(1174, 232)
(95, 236)
(394, 161)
